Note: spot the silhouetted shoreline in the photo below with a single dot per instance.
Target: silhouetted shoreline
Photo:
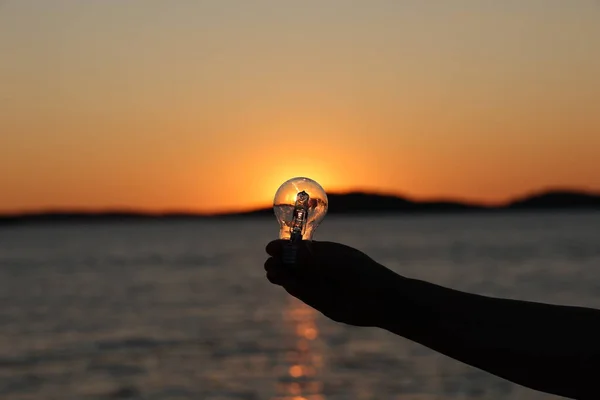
(355, 203)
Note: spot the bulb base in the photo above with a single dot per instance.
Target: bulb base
(288, 255)
(290, 249)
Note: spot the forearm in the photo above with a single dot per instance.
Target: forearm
(549, 348)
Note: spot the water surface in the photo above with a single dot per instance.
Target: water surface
(182, 310)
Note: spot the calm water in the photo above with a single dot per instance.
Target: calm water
(183, 311)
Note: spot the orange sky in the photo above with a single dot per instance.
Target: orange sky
(209, 106)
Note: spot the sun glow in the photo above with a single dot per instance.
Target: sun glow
(269, 167)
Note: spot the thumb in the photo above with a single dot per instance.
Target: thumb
(305, 248)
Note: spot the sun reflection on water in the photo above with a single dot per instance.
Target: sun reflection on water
(299, 379)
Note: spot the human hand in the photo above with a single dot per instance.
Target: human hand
(343, 283)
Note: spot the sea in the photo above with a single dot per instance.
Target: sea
(182, 310)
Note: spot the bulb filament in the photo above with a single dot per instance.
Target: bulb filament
(300, 216)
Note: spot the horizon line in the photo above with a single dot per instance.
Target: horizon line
(129, 210)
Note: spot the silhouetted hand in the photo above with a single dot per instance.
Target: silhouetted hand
(545, 347)
(343, 283)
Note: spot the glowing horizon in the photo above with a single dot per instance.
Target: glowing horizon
(206, 107)
(267, 205)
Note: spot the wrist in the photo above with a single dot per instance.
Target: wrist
(400, 310)
(390, 303)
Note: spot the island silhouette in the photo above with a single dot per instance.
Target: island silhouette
(352, 203)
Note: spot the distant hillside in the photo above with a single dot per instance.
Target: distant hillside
(357, 202)
(344, 204)
(370, 203)
(557, 200)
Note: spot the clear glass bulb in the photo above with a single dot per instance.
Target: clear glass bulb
(300, 205)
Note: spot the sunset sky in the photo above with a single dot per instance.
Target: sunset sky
(210, 105)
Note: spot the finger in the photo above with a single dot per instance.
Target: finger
(275, 247)
(275, 274)
(271, 263)
(305, 292)
(287, 277)
(275, 264)
(279, 273)
(276, 277)
(294, 277)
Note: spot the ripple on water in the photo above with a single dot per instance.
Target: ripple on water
(182, 311)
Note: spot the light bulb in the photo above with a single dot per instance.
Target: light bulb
(300, 205)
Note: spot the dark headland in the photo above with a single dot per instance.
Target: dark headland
(355, 203)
